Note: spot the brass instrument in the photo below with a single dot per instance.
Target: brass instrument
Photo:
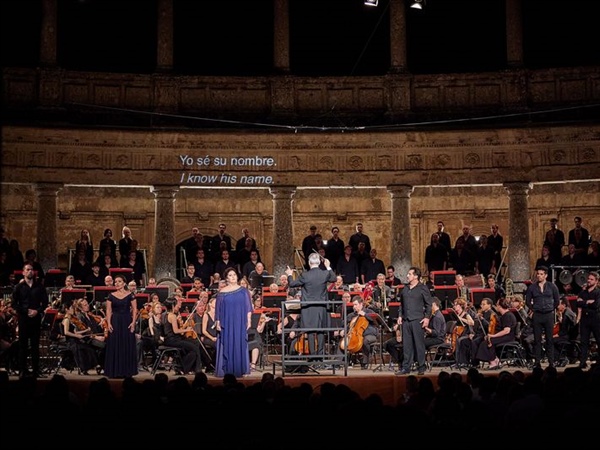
(509, 288)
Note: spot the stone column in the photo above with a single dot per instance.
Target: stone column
(164, 43)
(283, 245)
(47, 195)
(48, 38)
(400, 229)
(281, 36)
(514, 34)
(398, 36)
(164, 232)
(519, 266)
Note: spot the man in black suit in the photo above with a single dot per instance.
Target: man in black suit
(314, 297)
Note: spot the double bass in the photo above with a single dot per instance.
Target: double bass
(353, 341)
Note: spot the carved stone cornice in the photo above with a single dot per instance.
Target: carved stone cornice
(189, 158)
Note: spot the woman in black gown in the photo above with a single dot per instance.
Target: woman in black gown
(121, 359)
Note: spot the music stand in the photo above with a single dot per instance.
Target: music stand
(187, 306)
(478, 294)
(141, 300)
(273, 299)
(161, 290)
(393, 313)
(55, 278)
(443, 277)
(259, 281)
(383, 326)
(446, 294)
(185, 287)
(101, 293)
(126, 272)
(68, 296)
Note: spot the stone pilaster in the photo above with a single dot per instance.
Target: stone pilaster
(164, 43)
(48, 37)
(47, 196)
(398, 56)
(519, 268)
(401, 254)
(164, 231)
(514, 33)
(281, 36)
(283, 244)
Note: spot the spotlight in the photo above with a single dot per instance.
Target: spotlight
(371, 2)
(418, 4)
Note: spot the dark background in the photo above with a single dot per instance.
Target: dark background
(327, 37)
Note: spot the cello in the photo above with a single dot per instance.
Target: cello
(354, 338)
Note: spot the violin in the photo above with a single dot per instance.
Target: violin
(79, 325)
(189, 323)
(102, 321)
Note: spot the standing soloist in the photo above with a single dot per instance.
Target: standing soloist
(30, 301)
(415, 301)
(233, 312)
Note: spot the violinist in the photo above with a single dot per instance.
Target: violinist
(524, 331)
(98, 329)
(465, 322)
(208, 331)
(486, 352)
(153, 335)
(361, 329)
(565, 330)
(467, 347)
(435, 331)
(256, 331)
(175, 337)
(76, 334)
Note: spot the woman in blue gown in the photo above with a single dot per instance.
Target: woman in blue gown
(233, 312)
(121, 311)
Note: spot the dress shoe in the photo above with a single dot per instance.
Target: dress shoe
(583, 366)
(421, 372)
(402, 372)
(39, 375)
(364, 366)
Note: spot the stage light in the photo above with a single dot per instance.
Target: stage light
(418, 4)
(371, 2)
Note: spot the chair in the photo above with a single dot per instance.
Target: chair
(441, 355)
(169, 358)
(512, 354)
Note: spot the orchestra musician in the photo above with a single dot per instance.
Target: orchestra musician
(175, 337)
(467, 345)
(77, 334)
(565, 331)
(98, 328)
(435, 331)
(394, 347)
(368, 332)
(486, 352)
(524, 330)
(209, 333)
(382, 294)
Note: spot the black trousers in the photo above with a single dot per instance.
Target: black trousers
(543, 323)
(30, 330)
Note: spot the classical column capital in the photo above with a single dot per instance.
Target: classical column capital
(400, 190)
(518, 187)
(282, 192)
(164, 192)
(48, 189)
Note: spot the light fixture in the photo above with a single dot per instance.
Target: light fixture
(418, 4)
(371, 2)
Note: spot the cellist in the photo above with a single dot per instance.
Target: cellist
(362, 332)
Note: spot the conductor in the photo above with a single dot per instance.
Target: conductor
(314, 315)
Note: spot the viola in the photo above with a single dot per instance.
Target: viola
(492, 327)
(189, 326)
(354, 338)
